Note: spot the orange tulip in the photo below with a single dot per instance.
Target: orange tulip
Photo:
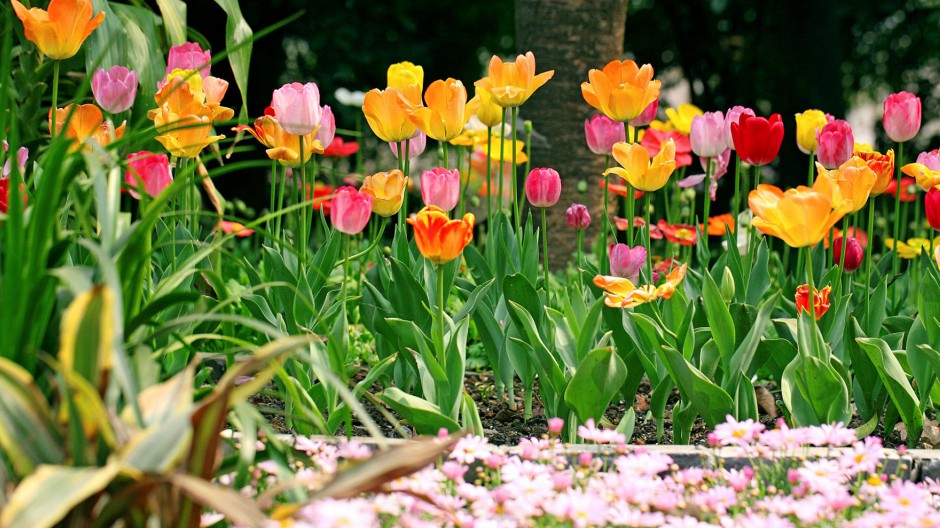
(183, 119)
(719, 225)
(820, 301)
(185, 93)
(447, 110)
(440, 239)
(621, 293)
(282, 145)
(86, 122)
(60, 30)
(387, 112)
(851, 182)
(622, 90)
(637, 168)
(882, 165)
(387, 190)
(512, 83)
(800, 217)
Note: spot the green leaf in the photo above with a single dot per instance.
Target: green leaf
(598, 379)
(759, 281)
(745, 354)
(919, 361)
(88, 335)
(174, 20)
(719, 319)
(814, 392)
(221, 499)
(422, 414)
(895, 380)
(928, 303)
(745, 399)
(48, 495)
(238, 44)
(709, 400)
(587, 334)
(565, 342)
(867, 384)
(141, 43)
(24, 415)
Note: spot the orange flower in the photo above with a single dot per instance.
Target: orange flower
(512, 83)
(447, 110)
(86, 122)
(851, 182)
(622, 90)
(438, 238)
(719, 225)
(679, 233)
(621, 190)
(820, 300)
(800, 217)
(59, 31)
(183, 119)
(387, 112)
(621, 293)
(281, 145)
(184, 93)
(882, 165)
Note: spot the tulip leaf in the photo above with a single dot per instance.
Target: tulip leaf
(709, 400)
(741, 361)
(867, 383)
(745, 399)
(25, 415)
(899, 387)
(423, 415)
(221, 499)
(174, 20)
(140, 40)
(814, 392)
(759, 281)
(565, 341)
(45, 497)
(920, 361)
(928, 302)
(595, 383)
(88, 333)
(238, 43)
(719, 319)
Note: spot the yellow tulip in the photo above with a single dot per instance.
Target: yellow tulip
(926, 176)
(681, 118)
(404, 75)
(438, 238)
(807, 126)
(622, 90)
(184, 136)
(800, 217)
(851, 182)
(489, 113)
(387, 190)
(664, 126)
(387, 112)
(447, 110)
(184, 92)
(621, 293)
(637, 168)
(913, 247)
(512, 83)
(60, 30)
(495, 149)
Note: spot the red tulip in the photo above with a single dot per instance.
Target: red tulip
(820, 301)
(350, 210)
(341, 149)
(5, 194)
(543, 187)
(932, 203)
(908, 188)
(653, 141)
(853, 253)
(756, 139)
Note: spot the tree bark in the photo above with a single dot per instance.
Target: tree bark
(570, 37)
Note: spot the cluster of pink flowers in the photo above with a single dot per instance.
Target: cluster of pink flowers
(612, 484)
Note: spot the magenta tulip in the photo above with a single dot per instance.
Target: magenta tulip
(440, 187)
(647, 117)
(578, 217)
(543, 187)
(854, 254)
(733, 115)
(708, 134)
(350, 210)
(297, 107)
(114, 89)
(148, 171)
(189, 56)
(626, 262)
(416, 145)
(902, 116)
(836, 144)
(602, 132)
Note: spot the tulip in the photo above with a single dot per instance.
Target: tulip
(912, 248)
(622, 90)
(681, 234)
(851, 183)
(235, 227)
(578, 217)
(626, 262)
(5, 195)
(114, 89)
(440, 187)
(446, 112)
(543, 187)
(621, 293)
(350, 98)
(490, 113)
(908, 189)
(512, 83)
(350, 210)
(387, 190)
(854, 254)
(602, 132)
(654, 140)
(647, 117)
(733, 115)
(416, 145)
(808, 125)
(60, 30)
(836, 143)
(281, 145)
(707, 134)
(341, 149)
(403, 75)
(185, 136)
(800, 217)
(438, 238)
(86, 123)
(297, 107)
(148, 171)
(183, 92)
(387, 113)
(882, 165)
(719, 167)
(756, 139)
(327, 128)
(902, 116)
(681, 118)
(639, 170)
(498, 144)
(820, 300)
(926, 169)
(215, 90)
(932, 204)
(189, 56)
(22, 155)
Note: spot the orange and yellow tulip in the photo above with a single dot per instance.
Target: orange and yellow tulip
(439, 238)
(185, 136)
(637, 168)
(82, 123)
(282, 145)
(447, 110)
(387, 190)
(882, 165)
(184, 91)
(621, 293)
(800, 217)
(851, 182)
(489, 113)
(622, 90)
(387, 112)
(60, 30)
(926, 176)
(512, 83)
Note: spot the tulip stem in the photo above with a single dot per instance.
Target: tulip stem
(489, 177)
(896, 263)
(649, 248)
(358, 135)
(631, 212)
(608, 229)
(345, 274)
(302, 213)
(812, 165)
(812, 288)
(267, 226)
(280, 202)
(528, 148)
(502, 156)
(441, 352)
(444, 158)
(516, 204)
(580, 257)
(545, 253)
(708, 199)
(406, 172)
(737, 188)
(55, 96)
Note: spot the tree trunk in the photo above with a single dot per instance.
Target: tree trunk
(570, 37)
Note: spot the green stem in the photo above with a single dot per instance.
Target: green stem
(502, 156)
(631, 212)
(302, 213)
(441, 352)
(267, 226)
(407, 172)
(812, 167)
(359, 136)
(444, 159)
(55, 96)
(737, 187)
(580, 257)
(517, 205)
(812, 287)
(545, 252)
(346, 262)
(649, 248)
(528, 150)
(489, 177)
(280, 202)
(401, 167)
(896, 263)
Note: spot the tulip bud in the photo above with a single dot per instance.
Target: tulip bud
(350, 210)
(707, 134)
(114, 89)
(387, 190)
(932, 204)
(727, 286)
(440, 187)
(836, 144)
(602, 133)
(527, 126)
(543, 187)
(808, 125)
(327, 130)
(578, 217)
(853, 253)
(626, 262)
(555, 425)
(902, 116)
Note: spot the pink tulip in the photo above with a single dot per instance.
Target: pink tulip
(297, 107)
(853, 253)
(708, 134)
(440, 187)
(189, 56)
(555, 425)
(22, 154)
(215, 89)
(902, 116)
(327, 130)
(602, 132)
(578, 216)
(626, 262)
(930, 159)
(543, 187)
(148, 170)
(350, 210)
(732, 116)
(114, 89)
(416, 145)
(836, 143)
(647, 117)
